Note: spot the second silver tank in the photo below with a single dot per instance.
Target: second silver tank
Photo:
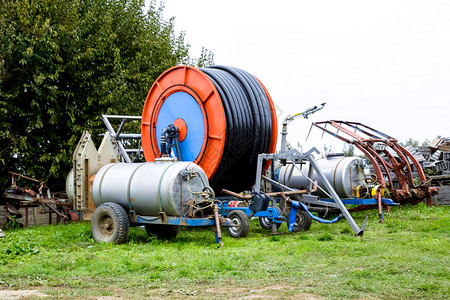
(344, 174)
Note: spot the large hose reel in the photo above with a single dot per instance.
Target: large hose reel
(225, 118)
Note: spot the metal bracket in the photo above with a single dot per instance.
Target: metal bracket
(293, 156)
(296, 157)
(118, 136)
(163, 216)
(87, 160)
(170, 141)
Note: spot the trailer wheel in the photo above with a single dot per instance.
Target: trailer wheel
(302, 221)
(110, 224)
(240, 219)
(266, 223)
(162, 232)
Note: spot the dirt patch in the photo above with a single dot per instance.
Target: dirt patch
(21, 294)
(267, 292)
(279, 291)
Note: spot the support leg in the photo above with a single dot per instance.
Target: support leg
(358, 231)
(218, 231)
(380, 208)
(26, 216)
(274, 225)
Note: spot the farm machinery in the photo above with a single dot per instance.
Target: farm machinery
(205, 156)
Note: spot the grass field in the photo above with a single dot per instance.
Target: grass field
(407, 257)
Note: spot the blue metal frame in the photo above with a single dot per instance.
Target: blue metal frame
(272, 214)
(142, 220)
(183, 221)
(360, 201)
(275, 217)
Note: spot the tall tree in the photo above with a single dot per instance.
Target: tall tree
(349, 150)
(65, 63)
(410, 142)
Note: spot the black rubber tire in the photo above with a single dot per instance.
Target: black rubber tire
(331, 214)
(266, 223)
(240, 218)
(302, 221)
(162, 231)
(110, 223)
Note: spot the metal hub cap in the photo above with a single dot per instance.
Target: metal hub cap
(236, 225)
(106, 225)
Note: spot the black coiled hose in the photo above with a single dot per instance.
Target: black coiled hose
(248, 127)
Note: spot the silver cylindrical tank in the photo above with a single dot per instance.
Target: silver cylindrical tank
(150, 188)
(70, 188)
(344, 174)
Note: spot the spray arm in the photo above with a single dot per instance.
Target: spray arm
(305, 114)
(290, 118)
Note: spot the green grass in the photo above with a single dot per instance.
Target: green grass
(407, 257)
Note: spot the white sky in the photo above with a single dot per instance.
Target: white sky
(382, 63)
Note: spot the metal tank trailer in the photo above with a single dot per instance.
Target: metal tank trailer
(161, 195)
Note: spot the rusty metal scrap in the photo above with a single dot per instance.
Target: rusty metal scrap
(388, 158)
(16, 197)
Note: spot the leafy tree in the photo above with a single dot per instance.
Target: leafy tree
(426, 143)
(206, 58)
(349, 151)
(65, 63)
(411, 142)
(415, 143)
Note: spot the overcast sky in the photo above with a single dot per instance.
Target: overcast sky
(382, 63)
